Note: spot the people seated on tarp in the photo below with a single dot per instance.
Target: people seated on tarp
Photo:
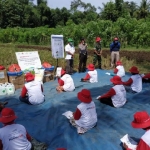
(91, 76)
(32, 92)
(135, 81)
(119, 70)
(142, 121)
(146, 77)
(13, 136)
(85, 116)
(65, 82)
(116, 96)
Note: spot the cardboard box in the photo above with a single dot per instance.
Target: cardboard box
(18, 81)
(3, 76)
(48, 76)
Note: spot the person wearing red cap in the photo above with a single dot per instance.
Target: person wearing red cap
(116, 96)
(146, 77)
(141, 121)
(61, 149)
(13, 136)
(114, 49)
(97, 52)
(82, 55)
(32, 92)
(65, 82)
(85, 116)
(91, 76)
(119, 70)
(135, 81)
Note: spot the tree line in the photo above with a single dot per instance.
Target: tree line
(24, 13)
(24, 22)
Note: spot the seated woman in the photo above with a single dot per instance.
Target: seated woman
(135, 81)
(85, 116)
(116, 96)
(146, 77)
(142, 121)
(91, 76)
(119, 70)
(32, 92)
(65, 82)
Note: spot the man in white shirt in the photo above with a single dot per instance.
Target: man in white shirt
(65, 83)
(32, 92)
(70, 50)
(13, 136)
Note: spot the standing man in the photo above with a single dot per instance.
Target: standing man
(97, 52)
(114, 49)
(82, 55)
(70, 50)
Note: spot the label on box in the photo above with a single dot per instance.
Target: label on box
(2, 75)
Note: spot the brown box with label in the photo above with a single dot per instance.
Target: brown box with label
(48, 76)
(3, 76)
(18, 81)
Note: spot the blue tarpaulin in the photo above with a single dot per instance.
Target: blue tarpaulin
(46, 123)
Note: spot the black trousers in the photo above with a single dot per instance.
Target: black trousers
(107, 101)
(82, 62)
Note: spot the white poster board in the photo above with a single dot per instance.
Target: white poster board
(57, 46)
(27, 60)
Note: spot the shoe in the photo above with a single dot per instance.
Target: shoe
(98, 97)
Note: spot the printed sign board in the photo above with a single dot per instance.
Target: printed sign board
(57, 46)
(27, 60)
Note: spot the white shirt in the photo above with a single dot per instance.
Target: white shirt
(14, 137)
(93, 76)
(88, 118)
(71, 49)
(68, 83)
(137, 83)
(146, 137)
(34, 92)
(121, 71)
(119, 99)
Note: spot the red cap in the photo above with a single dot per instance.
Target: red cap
(98, 39)
(91, 67)
(85, 96)
(141, 120)
(118, 62)
(29, 77)
(7, 115)
(61, 149)
(116, 80)
(63, 72)
(134, 69)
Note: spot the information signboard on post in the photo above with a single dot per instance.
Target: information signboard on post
(57, 46)
(27, 60)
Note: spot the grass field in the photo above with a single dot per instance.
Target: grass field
(8, 57)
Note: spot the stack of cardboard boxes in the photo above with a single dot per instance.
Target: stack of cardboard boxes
(18, 81)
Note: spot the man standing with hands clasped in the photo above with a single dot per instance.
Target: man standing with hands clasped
(97, 53)
(70, 50)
